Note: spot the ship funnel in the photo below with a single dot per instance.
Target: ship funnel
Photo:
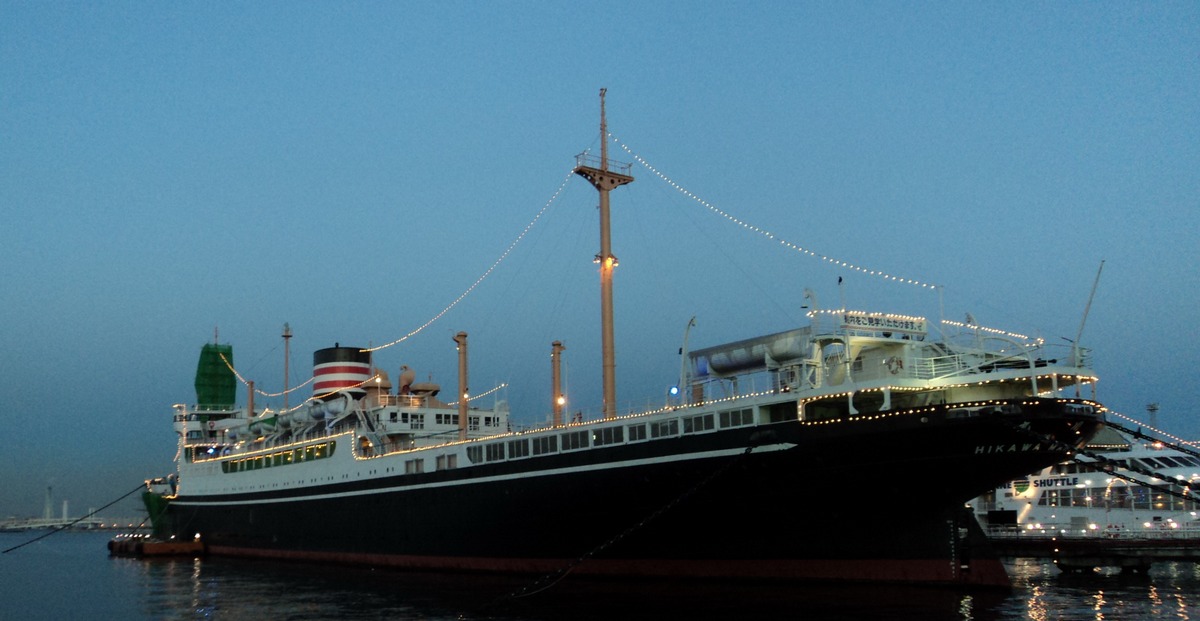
(340, 369)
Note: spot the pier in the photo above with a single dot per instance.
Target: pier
(1082, 550)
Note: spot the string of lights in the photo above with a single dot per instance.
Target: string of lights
(445, 310)
(972, 326)
(1157, 431)
(486, 273)
(840, 311)
(482, 395)
(246, 382)
(768, 234)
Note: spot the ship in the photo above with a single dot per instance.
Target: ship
(759, 467)
(1118, 488)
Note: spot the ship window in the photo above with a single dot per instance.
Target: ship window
(664, 428)
(1147, 461)
(518, 448)
(1169, 461)
(574, 440)
(608, 435)
(446, 462)
(637, 433)
(447, 419)
(475, 454)
(1141, 497)
(414, 466)
(418, 421)
(696, 424)
(737, 418)
(495, 451)
(781, 412)
(545, 445)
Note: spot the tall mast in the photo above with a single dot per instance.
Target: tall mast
(287, 340)
(605, 180)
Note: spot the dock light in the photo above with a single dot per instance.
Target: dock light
(562, 400)
(674, 391)
(197, 537)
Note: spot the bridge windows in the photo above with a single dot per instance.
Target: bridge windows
(545, 444)
(737, 418)
(664, 428)
(697, 424)
(608, 435)
(574, 440)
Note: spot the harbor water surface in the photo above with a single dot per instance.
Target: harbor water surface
(70, 575)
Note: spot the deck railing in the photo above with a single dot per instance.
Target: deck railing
(1154, 531)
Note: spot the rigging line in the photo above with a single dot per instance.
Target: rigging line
(487, 272)
(768, 234)
(1074, 453)
(1139, 434)
(1145, 426)
(246, 382)
(76, 521)
(549, 580)
(1187, 494)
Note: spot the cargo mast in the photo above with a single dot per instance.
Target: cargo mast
(604, 180)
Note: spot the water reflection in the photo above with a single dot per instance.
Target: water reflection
(218, 588)
(236, 589)
(1167, 590)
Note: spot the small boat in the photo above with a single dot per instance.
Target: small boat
(143, 546)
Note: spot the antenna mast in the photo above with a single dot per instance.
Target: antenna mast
(605, 180)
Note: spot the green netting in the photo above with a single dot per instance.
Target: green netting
(216, 387)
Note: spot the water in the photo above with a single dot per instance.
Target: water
(70, 575)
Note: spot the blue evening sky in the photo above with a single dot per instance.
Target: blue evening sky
(171, 168)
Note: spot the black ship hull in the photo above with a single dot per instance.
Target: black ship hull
(877, 498)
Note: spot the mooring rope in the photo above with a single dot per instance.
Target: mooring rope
(66, 526)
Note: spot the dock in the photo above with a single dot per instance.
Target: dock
(1082, 550)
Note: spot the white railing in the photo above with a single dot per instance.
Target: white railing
(1155, 531)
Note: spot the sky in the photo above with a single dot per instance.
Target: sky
(174, 173)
